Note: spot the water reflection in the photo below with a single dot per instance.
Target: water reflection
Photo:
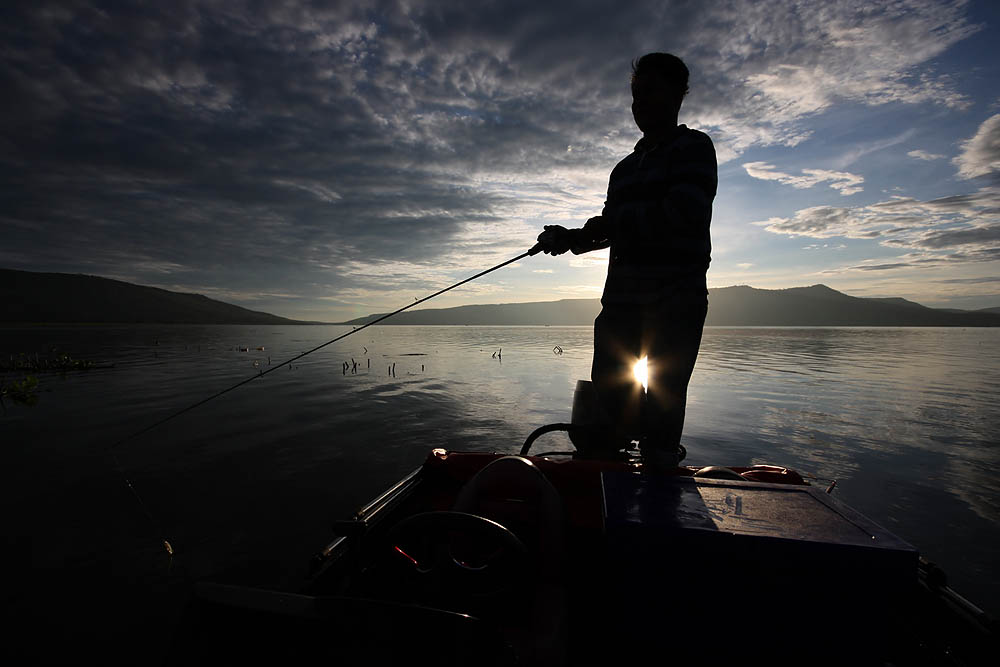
(906, 419)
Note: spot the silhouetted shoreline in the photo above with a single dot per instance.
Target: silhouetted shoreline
(44, 299)
(815, 306)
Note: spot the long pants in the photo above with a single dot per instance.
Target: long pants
(668, 333)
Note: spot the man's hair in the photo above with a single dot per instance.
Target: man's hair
(668, 67)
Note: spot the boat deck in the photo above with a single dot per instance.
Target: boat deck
(609, 562)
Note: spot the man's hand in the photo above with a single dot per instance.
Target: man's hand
(555, 240)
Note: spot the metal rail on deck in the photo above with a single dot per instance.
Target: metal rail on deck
(373, 506)
(370, 511)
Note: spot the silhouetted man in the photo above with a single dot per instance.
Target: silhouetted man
(656, 222)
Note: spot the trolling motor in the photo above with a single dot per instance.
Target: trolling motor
(594, 436)
(592, 433)
(590, 430)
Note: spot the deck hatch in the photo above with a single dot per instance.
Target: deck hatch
(763, 529)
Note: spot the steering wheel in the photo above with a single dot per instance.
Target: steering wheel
(459, 552)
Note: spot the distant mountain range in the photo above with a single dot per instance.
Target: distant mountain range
(817, 305)
(28, 296)
(61, 297)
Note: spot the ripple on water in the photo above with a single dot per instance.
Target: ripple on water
(906, 419)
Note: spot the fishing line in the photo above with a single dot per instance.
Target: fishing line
(166, 543)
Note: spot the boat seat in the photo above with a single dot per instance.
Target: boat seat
(513, 492)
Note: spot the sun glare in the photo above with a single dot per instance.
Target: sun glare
(641, 372)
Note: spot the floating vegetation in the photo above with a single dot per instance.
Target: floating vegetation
(23, 391)
(37, 363)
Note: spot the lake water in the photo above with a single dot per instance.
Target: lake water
(906, 420)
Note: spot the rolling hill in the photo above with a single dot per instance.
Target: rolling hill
(28, 296)
(31, 297)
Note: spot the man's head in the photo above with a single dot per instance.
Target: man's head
(659, 84)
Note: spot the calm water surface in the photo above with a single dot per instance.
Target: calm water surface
(906, 420)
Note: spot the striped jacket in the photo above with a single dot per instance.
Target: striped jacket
(656, 219)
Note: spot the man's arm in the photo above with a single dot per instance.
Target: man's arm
(556, 239)
(594, 235)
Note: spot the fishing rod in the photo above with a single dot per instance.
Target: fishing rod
(537, 248)
(534, 251)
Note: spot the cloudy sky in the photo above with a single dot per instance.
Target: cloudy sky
(325, 160)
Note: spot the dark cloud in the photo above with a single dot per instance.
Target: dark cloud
(971, 281)
(974, 236)
(967, 223)
(203, 138)
(251, 144)
(964, 202)
(880, 267)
